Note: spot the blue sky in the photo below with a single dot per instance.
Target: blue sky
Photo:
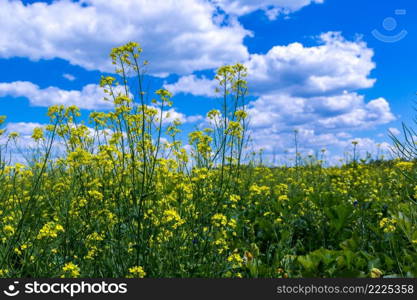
(314, 65)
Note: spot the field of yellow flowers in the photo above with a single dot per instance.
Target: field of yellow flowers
(120, 196)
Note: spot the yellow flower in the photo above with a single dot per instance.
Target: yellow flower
(241, 114)
(79, 157)
(404, 165)
(50, 230)
(136, 272)
(388, 225)
(236, 260)
(95, 195)
(221, 245)
(219, 220)
(95, 237)
(278, 220)
(376, 273)
(234, 198)
(37, 134)
(281, 188)
(91, 254)
(9, 230)
(283, 198)
(259, 190)
(71, 270)
(172, 217)
(14, 135)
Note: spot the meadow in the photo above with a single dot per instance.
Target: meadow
(119, 195)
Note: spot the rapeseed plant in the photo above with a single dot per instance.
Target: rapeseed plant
(119, 193)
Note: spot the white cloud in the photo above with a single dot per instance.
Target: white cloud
(177, 36)
(21, 148)
(321, 121)
(171, 115)
(361, 115)
(272, 8)
(313, 89)
(337, 148)
(307, 139)
(367, 146)
(394, 131)
(330, 68)
(194, 118)
(192, 85)
(70, 77)
(23, 128)
(335, 66)
(342, 112)
(90, 97)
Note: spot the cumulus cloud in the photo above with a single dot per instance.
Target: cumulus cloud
(332, 67)
(368, 146)
(171, 115)
(272, 8)
(320, 121)
(284, 141)
(23, 128)
(312, 89)
(22, 148)
(177, 36)
(364, 116)
(338, 148)
(192, 85)
(90, 97)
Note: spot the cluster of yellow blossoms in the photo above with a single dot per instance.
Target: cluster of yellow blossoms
(50, 230)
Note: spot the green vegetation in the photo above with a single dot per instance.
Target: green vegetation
(122, 197)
